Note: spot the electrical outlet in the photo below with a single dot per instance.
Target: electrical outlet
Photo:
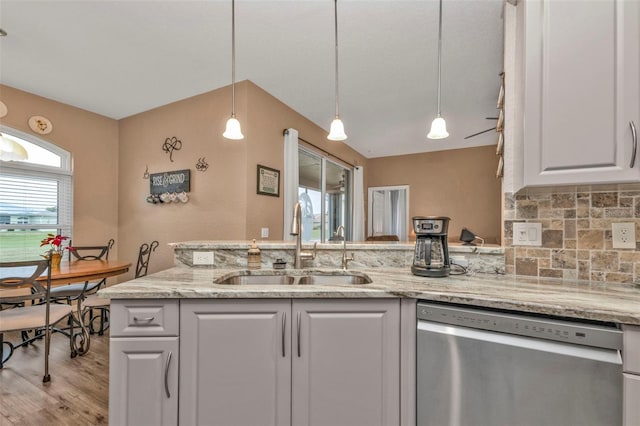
(264, 233)
(624, 235)
(527, 234)
(203, 258)
(460, 260)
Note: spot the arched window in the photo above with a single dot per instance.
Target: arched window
(36, 194)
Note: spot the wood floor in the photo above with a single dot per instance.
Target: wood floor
(76, 395)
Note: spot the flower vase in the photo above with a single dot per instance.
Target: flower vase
(55, 260)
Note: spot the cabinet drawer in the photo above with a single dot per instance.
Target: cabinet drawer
(144, 318)
(631, 349)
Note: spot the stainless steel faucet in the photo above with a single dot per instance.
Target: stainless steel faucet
(296, 229)
(340, 231)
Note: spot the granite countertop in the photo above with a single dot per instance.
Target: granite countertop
(585, 300)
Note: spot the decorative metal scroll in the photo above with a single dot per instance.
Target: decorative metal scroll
(170, 145)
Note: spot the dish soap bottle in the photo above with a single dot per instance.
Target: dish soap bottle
(253, 256)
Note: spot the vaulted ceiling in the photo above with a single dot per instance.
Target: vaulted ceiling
(119, 58)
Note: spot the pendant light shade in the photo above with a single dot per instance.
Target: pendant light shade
(439, 126)
(233, 131)
(336, 132)
(438, 129)
(12, 150)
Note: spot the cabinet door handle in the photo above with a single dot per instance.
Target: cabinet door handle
(634, 137)
(284, 327)
(166, 376)
(146, 319)
(298, 327)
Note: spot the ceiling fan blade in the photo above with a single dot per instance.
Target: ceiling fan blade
(479, 133)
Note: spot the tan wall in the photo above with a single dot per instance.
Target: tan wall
(460, 184)
(92, 140)
(223, 201)
(217, 203)
(268, 117)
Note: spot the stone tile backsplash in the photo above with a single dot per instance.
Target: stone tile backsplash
(576, 233)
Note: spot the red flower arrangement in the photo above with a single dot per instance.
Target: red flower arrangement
(55, 243)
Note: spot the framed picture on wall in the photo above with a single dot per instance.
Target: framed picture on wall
(268, 181)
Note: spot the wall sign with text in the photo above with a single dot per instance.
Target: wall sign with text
(176, 181)
(268, 181)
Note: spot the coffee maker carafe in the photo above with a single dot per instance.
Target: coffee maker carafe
(431, 255)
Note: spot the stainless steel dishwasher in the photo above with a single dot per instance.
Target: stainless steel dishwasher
(483, 367)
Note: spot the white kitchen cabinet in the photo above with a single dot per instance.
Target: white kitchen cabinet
(631, 403)
(283, 362)
(143, 362)
(580, 91)
(631, 367)
(346, 362)
(143, 381)
(236, 362)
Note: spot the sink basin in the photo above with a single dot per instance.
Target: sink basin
(236, 279)
(310, 278)
(327, 279)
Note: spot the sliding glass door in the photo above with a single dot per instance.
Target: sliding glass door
(324, 192)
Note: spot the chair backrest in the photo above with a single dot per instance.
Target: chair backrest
(91, 252)
(18, 281)
(144, 254)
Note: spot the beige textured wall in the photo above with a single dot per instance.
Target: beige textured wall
(267, 118)
(223, 201)
(460, 184)
(92, 140)
(217, 202)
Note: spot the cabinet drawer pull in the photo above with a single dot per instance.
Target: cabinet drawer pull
(166, 376)
(284, 327)
(298, 332)
(146, 319)
(634, 137)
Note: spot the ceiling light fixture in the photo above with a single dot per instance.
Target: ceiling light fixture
(11, 150)
(336, 133)
(233, 131)
(439, 126)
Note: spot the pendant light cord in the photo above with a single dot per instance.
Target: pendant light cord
(439, 53)
(233, 58)
(335, 26)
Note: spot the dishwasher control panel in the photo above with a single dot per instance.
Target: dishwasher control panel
(544, 328)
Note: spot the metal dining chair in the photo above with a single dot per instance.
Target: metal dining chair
(95, 302)
(30, 306)
(76, 293)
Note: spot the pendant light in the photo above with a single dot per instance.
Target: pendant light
(439, 126)
(11, 150)
(232, 130)
(336, 133)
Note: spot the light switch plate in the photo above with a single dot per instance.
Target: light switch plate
(203, 258)
(623, 235)
(527, 234)
(264, 233)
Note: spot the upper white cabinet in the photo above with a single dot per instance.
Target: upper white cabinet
(580, 93)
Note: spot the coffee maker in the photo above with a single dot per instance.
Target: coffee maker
(431, 255)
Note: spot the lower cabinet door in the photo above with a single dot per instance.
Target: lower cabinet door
(631, 400)
(346, 362)
(143, 381)
(235, 365)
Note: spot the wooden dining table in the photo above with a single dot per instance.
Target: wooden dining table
(79, 271)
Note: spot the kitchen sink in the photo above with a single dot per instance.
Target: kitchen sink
(238, 278)
(327, 279)
(311, 278)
